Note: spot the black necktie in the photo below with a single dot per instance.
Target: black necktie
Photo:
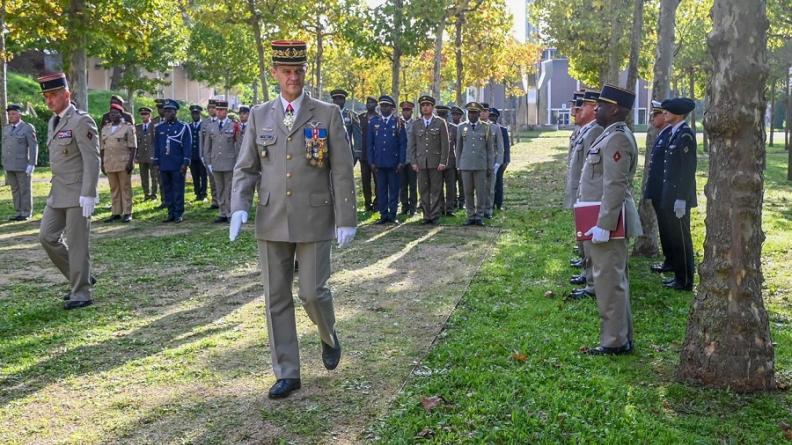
(145, 128)
(55, 122)
(473, 127)
(221, 125)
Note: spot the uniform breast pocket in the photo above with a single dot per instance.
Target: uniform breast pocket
(594, 159)
(264, 144)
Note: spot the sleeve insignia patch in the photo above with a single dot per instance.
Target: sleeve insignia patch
(616, 156)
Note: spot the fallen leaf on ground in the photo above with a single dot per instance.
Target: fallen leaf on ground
(549, 294)
(783, 426)
(425, 433)
(430, 403)
(519, 357)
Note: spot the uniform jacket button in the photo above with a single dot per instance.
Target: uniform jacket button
(288, 156)
(288, 193)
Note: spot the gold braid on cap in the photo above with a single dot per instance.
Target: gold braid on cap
(289, 53)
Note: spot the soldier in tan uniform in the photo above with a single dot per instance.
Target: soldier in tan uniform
(149, 173)
(117, 150)
(569, 199)
(448, 196)
(607, 177)
(297, 147)
(428, 150)
(220, 154)
(20, 152)
(587, 133)
(205, 124)
(497, 137)
(475, 152)
(73, 146)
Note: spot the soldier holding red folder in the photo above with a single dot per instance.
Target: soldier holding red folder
(607, 177)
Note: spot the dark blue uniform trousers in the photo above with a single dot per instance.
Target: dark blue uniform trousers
(173, 192)
(388, 182)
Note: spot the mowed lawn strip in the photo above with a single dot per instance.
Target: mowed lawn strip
(176, 349)
(508, 370)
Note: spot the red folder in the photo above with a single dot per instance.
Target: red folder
(586, 215)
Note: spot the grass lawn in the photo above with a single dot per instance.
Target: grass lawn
(176, 349)
(507, 368)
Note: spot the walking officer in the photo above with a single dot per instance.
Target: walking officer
(475, 152)
(73, 146)
(297, 147)
(20, 152)
(172, 151)
(220, 154)
(679, 191)
(607, 177)
(149, 173)
(428, 151)
(197, 167)
(387, 153)
(117, 150)
(448, 196)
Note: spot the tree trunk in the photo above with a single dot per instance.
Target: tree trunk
(3, 68)
(255, 22)
(319, 57)
(254, 87)
(692, 87)
(115, 78)
(75, 60)
(646, 244)
(614, 55)
(772, 106)
(636, 38)
(459, 26)
(438, 57)
(397, 50)
(728, 342)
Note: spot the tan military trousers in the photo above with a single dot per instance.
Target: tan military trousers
(65, 236)
(490, 194)
(474, 182)
(213, 188)
(449, 196)
(20, 183)
(223, 185)
(613, 291)
(430, 189)
(121, 192)
(277, 267)
(149, 178)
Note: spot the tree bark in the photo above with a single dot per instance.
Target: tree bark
(728, 342)
(115, 78)
(319, 57)
(438, 57)
(255, 23)
(459, 26)
(636, 38)
(3, 68)
(692, 87)
(397, 50)
(646, 244)
(614, 55)
(773, 83)
(75, 59)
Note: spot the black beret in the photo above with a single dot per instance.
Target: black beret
(678, 105)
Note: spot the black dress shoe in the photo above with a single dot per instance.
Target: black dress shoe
(331, 356)
(67, 297)
(578, 279)
(579, 294)
(676, 285)
(178, 219)
(22, 218)
(668, 281)
(470, 222)
(488, 216)
(382, 221)
(92, 280)
(113, 218)
(162, 206)
(126, 218)
(13, 218)
(660, 268)
(603, 350)
(283, 387)
(221, 220)
(578, 262)
(69, 305)
(480, 223)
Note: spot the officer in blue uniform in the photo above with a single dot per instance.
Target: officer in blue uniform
(679, 191)
(387, 152)
(494, 116)
(172, 152)
(197, 168)
(653, 188)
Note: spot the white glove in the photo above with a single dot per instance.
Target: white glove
(209, 168)
(345, 235)
(237, 219)
(495, 168)
(680, 207)
(29, 170)
(87, 203)
(598, 235)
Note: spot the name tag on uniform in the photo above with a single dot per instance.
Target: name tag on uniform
(264, 138)
(65, 134)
